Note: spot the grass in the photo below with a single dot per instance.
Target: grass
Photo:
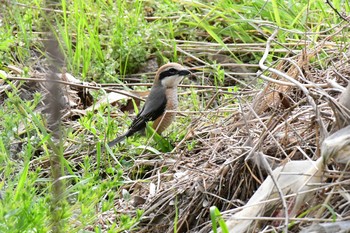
(215, 216)
(105, 41)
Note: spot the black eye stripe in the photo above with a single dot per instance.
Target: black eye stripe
(167, 73)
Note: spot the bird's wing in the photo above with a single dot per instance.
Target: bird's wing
(153, 108)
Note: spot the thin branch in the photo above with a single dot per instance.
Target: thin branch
(75, 85)
(311, 101)
(337, 12)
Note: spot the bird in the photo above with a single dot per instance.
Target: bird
(162, 98)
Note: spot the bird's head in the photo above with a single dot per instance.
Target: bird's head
(170, 75)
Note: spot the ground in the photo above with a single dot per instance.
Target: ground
(267, 90)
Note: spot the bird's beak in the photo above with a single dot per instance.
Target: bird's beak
(184, 72)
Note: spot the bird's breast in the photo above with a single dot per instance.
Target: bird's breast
(171, 95)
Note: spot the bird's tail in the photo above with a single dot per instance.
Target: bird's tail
(114, 142)
(117, 140)
(111, 143)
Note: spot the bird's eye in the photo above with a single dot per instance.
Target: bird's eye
(172, 71)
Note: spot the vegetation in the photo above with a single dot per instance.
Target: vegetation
(115, 42)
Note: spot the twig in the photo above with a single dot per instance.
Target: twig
(205, 63)
(311, 101)
(318, 188)
(279, 190)
(54, 125)
(75, 85)
(336, 11)
(311, 85)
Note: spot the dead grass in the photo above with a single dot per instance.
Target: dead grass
(223, 171)
(282, 120)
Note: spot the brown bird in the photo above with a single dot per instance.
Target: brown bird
(162, 98)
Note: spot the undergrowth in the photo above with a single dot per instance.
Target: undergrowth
(105, 41)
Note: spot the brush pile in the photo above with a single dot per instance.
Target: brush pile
(267, 162)
(278, 133)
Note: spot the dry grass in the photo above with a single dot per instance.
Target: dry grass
(285, 121)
